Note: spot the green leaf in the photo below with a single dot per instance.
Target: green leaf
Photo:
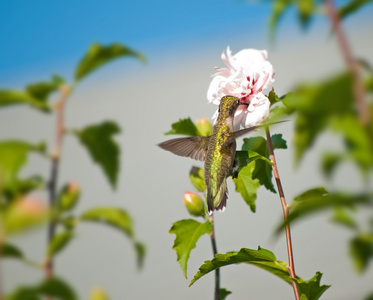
(197, 178)
(247, 186)
(98, 139)
(41, 90)
(361, 251)
(54, 287)
(318, 199)
(183, 126)
(224, 293)
(140, 249)
(316, 106)
(311, 289)
(10, 251)
(358, 141)
(369, 297)
(261, 258)
(187, 234)
(59, 242)
(119, 219)
(115, 217)
(13, 156)
(278, 9)
(329, 162)
(262, 168)
(305, 10)
(12, 97)
(342, 217)
(352, 7)
(99, 55)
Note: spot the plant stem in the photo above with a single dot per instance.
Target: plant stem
(358, 89)
(215, 251)
(56, 155)
(285, 209)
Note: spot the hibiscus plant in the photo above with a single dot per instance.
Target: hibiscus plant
(339, 104)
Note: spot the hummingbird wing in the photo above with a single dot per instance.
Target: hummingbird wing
(238, 133)
(194, 147)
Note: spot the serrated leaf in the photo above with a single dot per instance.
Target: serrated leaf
(187, 234)
(361, 251)
(99, 55)
(183, 126)
(261, 258)
(247, 186)
(54, 287)
(10, 251)
(98, 139)
(224, 293)
(311, 289)
(59, 242)
(197, 178)
(262, 168)
(13, 97)
(115, 217)
(351, 7)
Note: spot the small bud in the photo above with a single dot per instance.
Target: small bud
(194, 204)
(24, 214)
(98, 294)
(68, 196)
(197, 178)
(204, 127)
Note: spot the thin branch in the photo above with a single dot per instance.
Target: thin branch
(285, 209)
(215, 251)
(60, 129)
(358, 88)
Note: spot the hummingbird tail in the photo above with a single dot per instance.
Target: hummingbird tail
(219, 202)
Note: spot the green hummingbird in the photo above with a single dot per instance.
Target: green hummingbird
(217, 151)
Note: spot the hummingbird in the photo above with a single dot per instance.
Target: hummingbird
(217, 151)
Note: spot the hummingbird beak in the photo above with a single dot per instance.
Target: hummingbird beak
(244, 103)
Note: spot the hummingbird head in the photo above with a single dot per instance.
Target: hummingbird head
(229, 104)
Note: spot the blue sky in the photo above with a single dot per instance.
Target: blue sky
(42, 36)
(41, 32)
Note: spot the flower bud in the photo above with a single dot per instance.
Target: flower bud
(98, 294)
(197, 178)
(23, 214)
(68, 196)
(204, 127)
(194, 204)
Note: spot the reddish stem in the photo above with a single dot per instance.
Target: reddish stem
(60, 130)
(285, 209)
